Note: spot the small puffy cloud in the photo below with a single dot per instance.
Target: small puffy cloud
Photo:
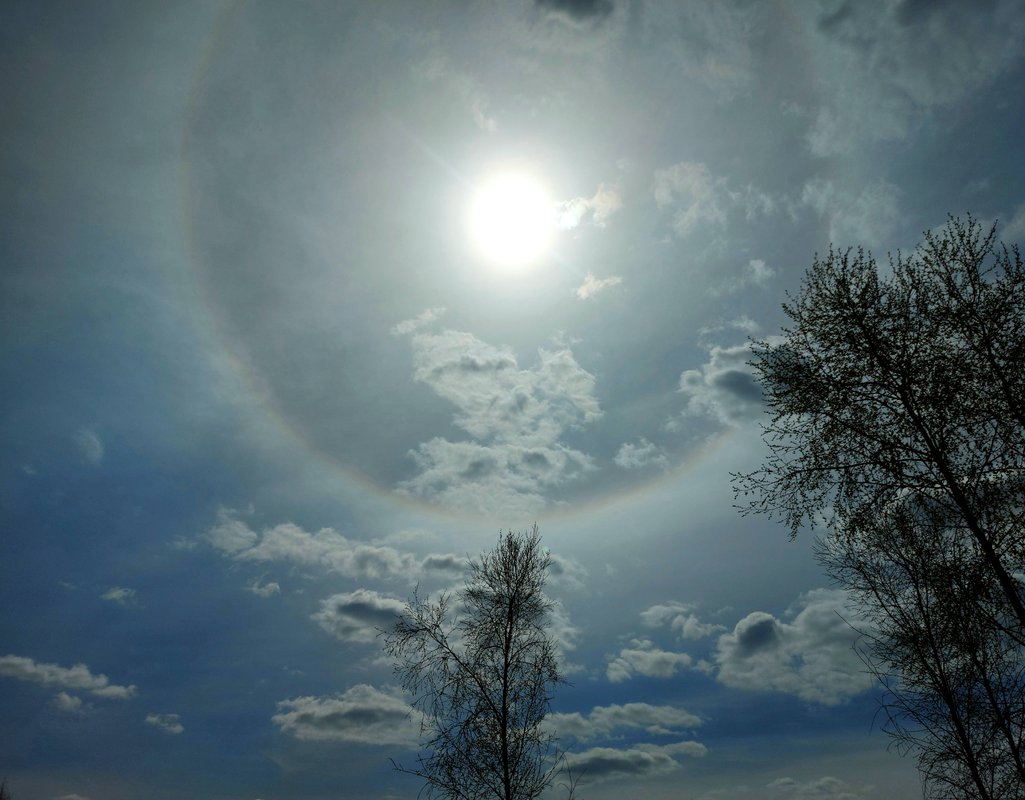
(77, 678)
(642, 657)
(357, 616)
(361, 714)
(68, 703)
(120, 595)
(679, 618)
(725, 387)
(640, 455)
(592, 285)
(168, 723)
(605, 202)
(602, 721)
(264, 589)
(638, 762)
(422, 320)
(811, 656)
(89, 445)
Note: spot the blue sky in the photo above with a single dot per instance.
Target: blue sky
(260, 382)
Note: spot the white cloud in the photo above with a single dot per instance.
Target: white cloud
(68, 703)
(264, 589)
(89, 445)
(638, 762)
(592, 285)
(422, 320)
(357, 616)
(603, 204)
(725, 387)
(361, 714)
(642, 657)
(120, 595)
(169, 723)
(640, 455)
(867, 218)
(78, 677)
(679, 618)
(811, 656)
(602, 721)
(756, 273)
(516, 418)
(700, 200)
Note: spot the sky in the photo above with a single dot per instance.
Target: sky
(269, 364)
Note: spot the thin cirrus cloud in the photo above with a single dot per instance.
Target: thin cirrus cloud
(592, 285)
(696, 198)
(362, 713)
(77, 677)
(120, 595)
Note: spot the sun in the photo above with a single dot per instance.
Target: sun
(512, 220)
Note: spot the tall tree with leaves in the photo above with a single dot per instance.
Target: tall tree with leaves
(898, 419)
(482, 672)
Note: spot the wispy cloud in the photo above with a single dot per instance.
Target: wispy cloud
(89, 445)
(120, 595)
(597, 209)
(168, 723)
(592, 285)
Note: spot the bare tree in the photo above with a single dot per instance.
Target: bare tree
(482, 675)
(898, 419)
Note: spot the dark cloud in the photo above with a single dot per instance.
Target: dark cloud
(357, 616)
(579, 10)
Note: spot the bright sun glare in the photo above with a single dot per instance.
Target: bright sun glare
(512, 220)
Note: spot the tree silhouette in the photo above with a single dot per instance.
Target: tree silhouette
(898, 420)
(482, 675)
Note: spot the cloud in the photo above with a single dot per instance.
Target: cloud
(866, 219)
(679, 618)
(422, 320)
(640, 455)
(89, 445)
(169, 723)
(603, 204)
(890, 67)
(120, 595)
(700, 200)
(642, 657)
(579, 10)
(811, 657)
(264, 589)
(724, 388)
(78, 677)
(603, 720)
(756, 273)
(357, 616)
(68, 703)
(641, 761)
(826, 788)
(516, 419)
(361, 714)
(592, 285)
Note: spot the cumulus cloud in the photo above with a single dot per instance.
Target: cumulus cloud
(679, 617)
(325, 548)
(603, 204)
(811, 656)
(120, 595)
(698, 199)
(68, 703)
(602, 721)
(168, 723)
(361, 714)
(592, 285)
(89, 445)
(865, 218)
(77, 678)
(725, 387)
(357, 616)
(643, 657)
(638, 762)
(516, 419)
(640, 455)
